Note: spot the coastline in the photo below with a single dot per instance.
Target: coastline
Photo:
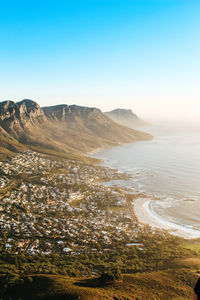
(142, 210)
(148, 137)
(146, 216)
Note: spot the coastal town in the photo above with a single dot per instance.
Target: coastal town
(61, 206)
(62, 217)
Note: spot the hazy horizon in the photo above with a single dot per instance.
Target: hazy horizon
(154, 117)
(140, 55)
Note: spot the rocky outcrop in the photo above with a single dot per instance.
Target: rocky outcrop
(16, 118)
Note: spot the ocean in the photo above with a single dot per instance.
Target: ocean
(167, 170)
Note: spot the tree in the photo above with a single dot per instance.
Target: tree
(109, 276)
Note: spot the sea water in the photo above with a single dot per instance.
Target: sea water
(166, 168)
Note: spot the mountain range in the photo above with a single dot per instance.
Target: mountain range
(64, 128)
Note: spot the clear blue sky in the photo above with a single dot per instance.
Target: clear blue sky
(137, 54)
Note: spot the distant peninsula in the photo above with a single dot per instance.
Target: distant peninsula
(125, 117)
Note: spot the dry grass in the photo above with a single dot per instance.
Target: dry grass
(166, 285)
(193, 245)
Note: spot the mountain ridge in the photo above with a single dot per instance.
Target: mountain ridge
(66, 128)
(125, 117)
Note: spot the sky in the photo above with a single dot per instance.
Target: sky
(137, 54)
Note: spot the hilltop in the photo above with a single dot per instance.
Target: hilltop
(125, 117)
(63, 128)
(169, 284)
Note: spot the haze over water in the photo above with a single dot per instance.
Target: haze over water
(167, 167)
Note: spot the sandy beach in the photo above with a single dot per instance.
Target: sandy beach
(146, 216)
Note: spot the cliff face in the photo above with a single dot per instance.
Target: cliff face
(125, 117)
(24, 111)
(16, 118)
(62, 127)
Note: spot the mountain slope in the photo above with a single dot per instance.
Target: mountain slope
(125, 117)
(62, 128)
(167, 284)
(8, 144)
